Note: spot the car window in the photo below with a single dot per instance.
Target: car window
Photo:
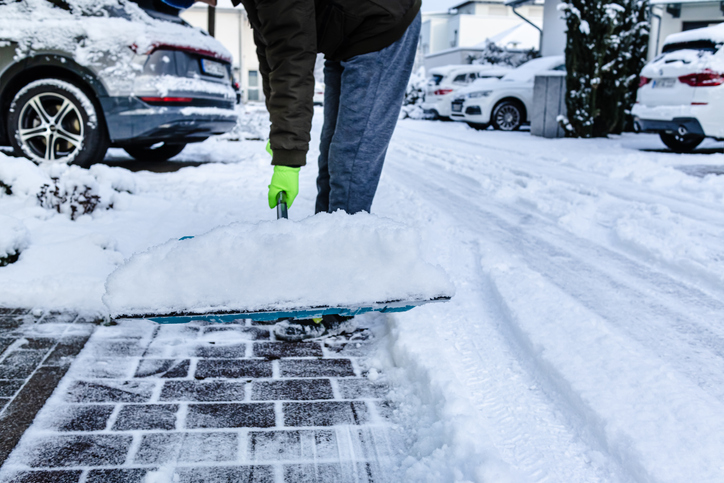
(436, 78)
(560, 67)
(472, 77)
(460, 79)
(705, 45)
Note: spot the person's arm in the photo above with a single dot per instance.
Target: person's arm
(286, 48)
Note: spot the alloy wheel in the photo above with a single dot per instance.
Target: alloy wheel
(50, 128)
(507, 117)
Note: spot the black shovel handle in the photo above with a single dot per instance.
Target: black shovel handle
(282, 205)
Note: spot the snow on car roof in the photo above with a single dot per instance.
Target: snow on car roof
(93, 30)
(714, 33)
(528, 70)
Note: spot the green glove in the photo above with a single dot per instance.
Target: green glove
(268, 148)
(285, 178)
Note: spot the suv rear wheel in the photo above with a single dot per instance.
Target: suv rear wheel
(52, 120)
(681, 143)
(154, 152)
(507, 116)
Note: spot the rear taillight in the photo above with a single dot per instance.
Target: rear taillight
(643, 81)
(708, 78)
(167, 99)
(442, 92)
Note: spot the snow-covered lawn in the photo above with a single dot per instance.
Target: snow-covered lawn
(585, 339)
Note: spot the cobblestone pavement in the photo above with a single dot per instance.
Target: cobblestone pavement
(203, 403)
(35, 353)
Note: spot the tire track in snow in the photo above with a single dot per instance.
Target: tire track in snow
(524, 424)
(689, 207)
(652, 311)
(649, 305)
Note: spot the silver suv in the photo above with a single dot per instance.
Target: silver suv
(78, 76)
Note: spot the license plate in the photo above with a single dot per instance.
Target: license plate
(457, 107)
(213, 68)
(665, 83)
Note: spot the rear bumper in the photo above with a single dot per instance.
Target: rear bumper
(130, 120)
(682, 125)
(705, 120)
(439, 104)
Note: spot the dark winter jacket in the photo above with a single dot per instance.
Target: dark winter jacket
(289, 33)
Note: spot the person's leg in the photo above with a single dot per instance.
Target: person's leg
(372, 89)
(332, 79)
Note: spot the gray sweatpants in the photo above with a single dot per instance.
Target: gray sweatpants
(362, 100)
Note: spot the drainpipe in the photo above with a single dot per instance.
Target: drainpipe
(540, 31)
(211, 20)
(658, 29)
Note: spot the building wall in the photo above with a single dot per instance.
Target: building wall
(473, 30)
(433, 36)
(472, 24)
(234, 32)
(450, 57)
(553, 41)
(691, 15)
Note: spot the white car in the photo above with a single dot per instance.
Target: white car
(444, 82)
(681, 92)
(504, 103)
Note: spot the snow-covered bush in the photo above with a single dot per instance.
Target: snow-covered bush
(64, 189)
(13, 239)
(497, 55)
(605, 51)
(5, 188)
(81, 200)
(414, 95)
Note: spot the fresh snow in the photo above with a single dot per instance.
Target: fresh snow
(584, 341)
(714, 33)
(333, 260)
(13, 236)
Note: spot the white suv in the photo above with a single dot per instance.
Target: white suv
(681, 92)
(504, 103)
(444, 82)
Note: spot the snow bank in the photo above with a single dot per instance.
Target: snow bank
(65, 255)
(13, 237)
(325, 260)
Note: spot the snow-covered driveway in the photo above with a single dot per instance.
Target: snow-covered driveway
(585, 341)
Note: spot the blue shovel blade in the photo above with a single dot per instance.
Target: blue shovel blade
(271, 315)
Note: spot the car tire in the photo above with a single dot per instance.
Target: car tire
(679, 143)
(155, 152)
(478, 126)
(53, 120)
(507, 116)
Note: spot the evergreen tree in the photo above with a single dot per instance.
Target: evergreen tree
(605, 51)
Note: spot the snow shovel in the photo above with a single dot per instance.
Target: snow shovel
(271, 314)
